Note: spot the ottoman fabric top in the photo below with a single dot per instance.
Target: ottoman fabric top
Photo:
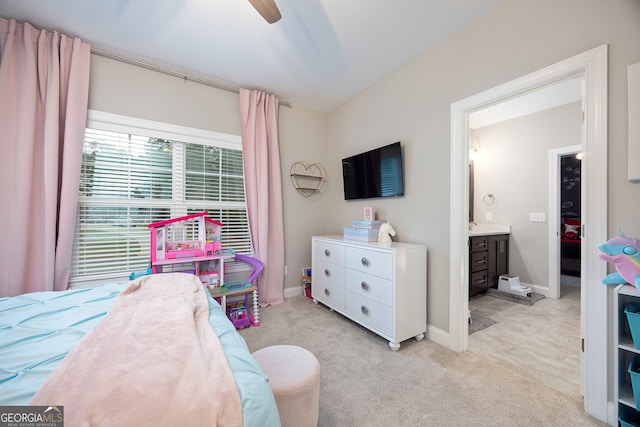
(288, 367)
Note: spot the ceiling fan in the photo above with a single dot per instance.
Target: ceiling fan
(268, 9)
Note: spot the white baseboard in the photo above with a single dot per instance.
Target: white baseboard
(293, 291)
(542, 290)
(439, 336)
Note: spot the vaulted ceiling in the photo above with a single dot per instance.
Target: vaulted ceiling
(320, 54)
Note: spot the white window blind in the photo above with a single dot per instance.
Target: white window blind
(135, 172)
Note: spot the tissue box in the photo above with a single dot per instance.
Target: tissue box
(364, 234)
(367, 224)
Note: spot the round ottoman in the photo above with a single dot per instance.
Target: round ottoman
(294, 378)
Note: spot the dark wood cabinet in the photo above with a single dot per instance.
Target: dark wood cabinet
(488, 260)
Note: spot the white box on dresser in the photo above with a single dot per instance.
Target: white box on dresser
(381, 286)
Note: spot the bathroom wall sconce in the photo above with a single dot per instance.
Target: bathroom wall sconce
(473, 153)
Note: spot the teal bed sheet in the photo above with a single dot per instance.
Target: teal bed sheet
(37, 330)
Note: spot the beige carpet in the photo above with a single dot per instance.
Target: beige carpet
(364, 383)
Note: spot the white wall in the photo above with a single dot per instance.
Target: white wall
(513, 165)
(120, 88)
(413, 105)
(302, 136)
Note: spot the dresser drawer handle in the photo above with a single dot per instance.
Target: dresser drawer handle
(364, 261)
(480, 282)
(327, 272)
(364, 286)
(364, 310)
(327, 252)
(326, 292)
(481, 261)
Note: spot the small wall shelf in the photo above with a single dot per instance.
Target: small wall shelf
(308, 179)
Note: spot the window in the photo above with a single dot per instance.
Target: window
(135, 172)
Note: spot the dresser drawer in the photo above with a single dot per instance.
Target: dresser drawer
(328, 252)
(370, 312)
(329, 294)
(478, 261)
(372, 287)
(328, 273)
(371, 262)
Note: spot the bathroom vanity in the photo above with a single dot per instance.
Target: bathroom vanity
(488, 256)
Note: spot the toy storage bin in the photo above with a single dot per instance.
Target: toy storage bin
(628, 417)
(632, 310)
(634, 373)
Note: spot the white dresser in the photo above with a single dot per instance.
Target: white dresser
(381, 286)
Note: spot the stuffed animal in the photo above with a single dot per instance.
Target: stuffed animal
(624, 253)
(385, 232)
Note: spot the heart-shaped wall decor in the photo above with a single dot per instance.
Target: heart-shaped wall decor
(307, 178)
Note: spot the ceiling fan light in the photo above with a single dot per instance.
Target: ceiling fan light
(268, 9)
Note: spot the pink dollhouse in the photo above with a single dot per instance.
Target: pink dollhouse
(187, 239)
(192, 244)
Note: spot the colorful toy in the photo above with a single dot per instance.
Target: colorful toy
(624, 253)
(255, 263)
(190, 236)
(239, 315)
(243, 287)
(134, 275)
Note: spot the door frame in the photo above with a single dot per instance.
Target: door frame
(554, 214)
(593, 66)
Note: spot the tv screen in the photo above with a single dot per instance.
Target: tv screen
(376, 173)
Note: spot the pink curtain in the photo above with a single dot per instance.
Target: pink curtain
(261, 156)
(44, 87)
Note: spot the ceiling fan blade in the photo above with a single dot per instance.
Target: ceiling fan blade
(268, 9)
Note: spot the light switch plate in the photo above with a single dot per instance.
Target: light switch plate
(537, 217)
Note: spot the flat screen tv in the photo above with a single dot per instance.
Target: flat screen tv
(375, 173)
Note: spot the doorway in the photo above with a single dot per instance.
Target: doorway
(565, 207)
(592, 65)
(570, 209)
(513, 166)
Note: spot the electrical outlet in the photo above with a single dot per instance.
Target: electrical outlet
(537, 217)
(489, 216)
(285, 270)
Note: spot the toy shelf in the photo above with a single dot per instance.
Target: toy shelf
(221, 293)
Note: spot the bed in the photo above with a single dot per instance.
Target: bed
(39, 330)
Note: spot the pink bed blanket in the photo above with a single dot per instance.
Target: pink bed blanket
(154, 360)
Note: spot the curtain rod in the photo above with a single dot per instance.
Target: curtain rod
(172, 72)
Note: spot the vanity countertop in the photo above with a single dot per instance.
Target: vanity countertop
(488, 229)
